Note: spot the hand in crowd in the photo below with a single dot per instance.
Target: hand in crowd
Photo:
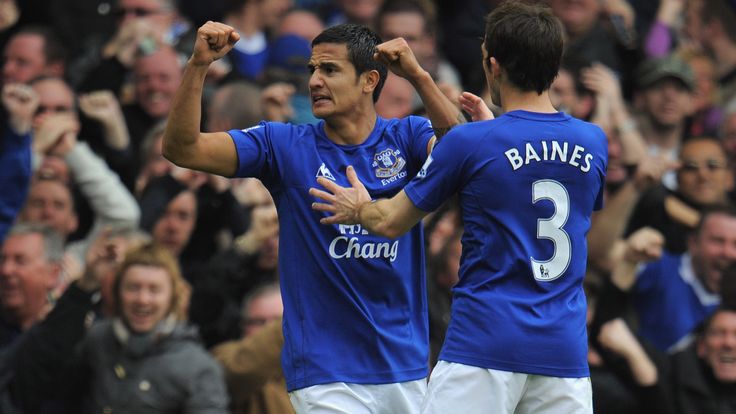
(399, 58)
(103, 257)
(103, 107)
(650, 169)
(670, 11)
(603, 82)
(133, 35)
(616, 337)
(264, 225)
(276, 102)
(214, 40)
(475, 106)
(644, 245)
(623, 9)
(55, 133)
(21, 102)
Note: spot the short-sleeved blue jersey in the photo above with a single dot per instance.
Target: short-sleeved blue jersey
(354, 303)
(528, 183)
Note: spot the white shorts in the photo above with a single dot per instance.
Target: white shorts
(458, 388)
(348, 398)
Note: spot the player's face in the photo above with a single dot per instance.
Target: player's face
(334, 85)
(145, 297)
(718, 346)
(713, 249)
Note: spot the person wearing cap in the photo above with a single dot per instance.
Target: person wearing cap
(664, 101)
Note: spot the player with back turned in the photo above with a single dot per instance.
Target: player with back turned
(528, 183)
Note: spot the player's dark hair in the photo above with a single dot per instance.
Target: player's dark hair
(526, 40)
(361, 43)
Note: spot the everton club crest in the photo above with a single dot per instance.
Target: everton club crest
(388, 163)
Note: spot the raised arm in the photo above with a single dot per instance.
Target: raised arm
(388, 217)
(183, 143)
(644, 245)
(399, 58)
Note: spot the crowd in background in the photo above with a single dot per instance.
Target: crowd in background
(128, 283)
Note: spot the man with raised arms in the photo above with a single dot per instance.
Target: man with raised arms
(355, 311)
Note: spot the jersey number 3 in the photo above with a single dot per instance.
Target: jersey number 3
(551, 229)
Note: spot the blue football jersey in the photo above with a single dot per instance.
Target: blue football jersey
(528, 183)
(670, 300)
(355, 305)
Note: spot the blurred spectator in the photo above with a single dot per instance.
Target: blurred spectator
(50, 198)
(147, 359)
(30, 265)
(717, 35)
(256, 22)
(234, 105)
(252, 364)
(156, 75)
(303, 23)
(415, 21)
(623, 375)
(674, 293)
(169, 213)
(288, 66)
(706, 114)
(353, 11)
(443, 273)
(727, 133)
(19, 103)
(704, 180)
(39, 365)
(586, 36)
(143, 26)
(232, 274)
(397, 98)
(664, 102)
(32, 52)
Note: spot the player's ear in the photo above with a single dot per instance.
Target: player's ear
(370, 81)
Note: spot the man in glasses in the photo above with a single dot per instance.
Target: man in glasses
(704, 179)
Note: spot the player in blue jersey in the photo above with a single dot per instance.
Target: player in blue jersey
(355, 312)
(528, 183)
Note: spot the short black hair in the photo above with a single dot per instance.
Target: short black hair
(361, 43)
(527, 41)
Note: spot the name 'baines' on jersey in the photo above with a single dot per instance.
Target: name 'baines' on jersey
(528, 183)
(355, 307)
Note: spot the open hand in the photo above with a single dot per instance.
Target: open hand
(344, 203)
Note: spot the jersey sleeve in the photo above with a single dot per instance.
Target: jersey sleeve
(255, 149)
(421, 132)
(441, 175)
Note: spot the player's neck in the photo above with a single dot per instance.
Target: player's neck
(513, 99)
(352, 129)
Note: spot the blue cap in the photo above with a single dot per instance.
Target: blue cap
(289, 52)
